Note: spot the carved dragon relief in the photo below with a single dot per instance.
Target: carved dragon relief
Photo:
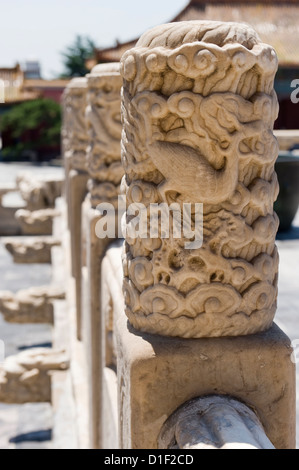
(210, 146)
(104, 129)
(74, 131)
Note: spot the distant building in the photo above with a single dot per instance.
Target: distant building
(16, 86)
(11, 85)
(51, 89)
(277, 23)
(31, 69)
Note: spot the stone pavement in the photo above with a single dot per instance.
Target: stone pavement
(288, 294)
(16, 421)
(29, 426)
(9, 171)
(23, 426)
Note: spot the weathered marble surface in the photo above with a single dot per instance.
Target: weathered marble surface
(74, 129)
(104, 130)
(25, 377)
(74, 145)
(33, 305)
(31, 249)
(105, 172)
(198, 111)
(38, 222)
(38, 193)
(214, 422)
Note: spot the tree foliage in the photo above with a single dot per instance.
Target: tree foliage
(76, 55)
(31, 125)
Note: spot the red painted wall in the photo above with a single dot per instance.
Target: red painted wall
(53, 93)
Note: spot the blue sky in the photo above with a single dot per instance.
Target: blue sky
(41, 29)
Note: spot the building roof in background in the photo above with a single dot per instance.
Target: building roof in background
(12, 80)
(276, 21)
(42, 84)
(14, 88)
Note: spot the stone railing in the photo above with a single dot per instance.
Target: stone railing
(8, 223)
(27, 377)
(199, 129)
(171, 336)
(38, 213)
(148, 377)
(198, 113)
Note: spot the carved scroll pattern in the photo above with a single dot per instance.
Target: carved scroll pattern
(202, 145)
(104, 129)
(74, 130)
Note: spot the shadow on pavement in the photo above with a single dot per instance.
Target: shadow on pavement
(34, 436)
(292, 234)
(30, 346)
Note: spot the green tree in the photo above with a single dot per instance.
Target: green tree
(76, 55)
(31, 125)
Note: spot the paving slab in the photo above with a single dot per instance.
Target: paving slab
(23, 426)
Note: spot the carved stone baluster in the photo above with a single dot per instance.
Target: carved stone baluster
(39, 222)
(198, 128)
(74, 143)
(104, 128)
(198, 113)
(33, 305)
(73, 132)
(39, 194)
(26, 377)
(105, 173)
(31, 250)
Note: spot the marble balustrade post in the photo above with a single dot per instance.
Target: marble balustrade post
(74, 144)
(198, 112)
(104, 172)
